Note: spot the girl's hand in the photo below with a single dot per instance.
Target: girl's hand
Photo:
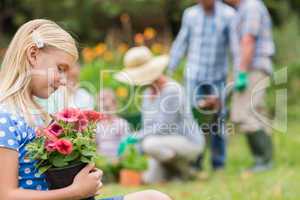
(87, 182)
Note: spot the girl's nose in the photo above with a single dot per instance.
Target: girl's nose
(63, 80)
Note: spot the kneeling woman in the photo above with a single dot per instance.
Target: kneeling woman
(33, 66)
(170, 136)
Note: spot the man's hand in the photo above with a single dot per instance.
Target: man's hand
(247, 52)
(210, 103)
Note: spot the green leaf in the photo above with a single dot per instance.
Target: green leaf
(85, 159)
(73, 156)
(59, 161)
(44, 169)
(131, 159)
(100, 161)
(44, 156)
(88, 153)
(80, 141)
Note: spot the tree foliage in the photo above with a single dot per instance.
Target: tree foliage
(90, 19)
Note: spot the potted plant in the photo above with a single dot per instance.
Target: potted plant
(65, 147)
(132, 164)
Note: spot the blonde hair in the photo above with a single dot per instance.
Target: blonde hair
(16, 69)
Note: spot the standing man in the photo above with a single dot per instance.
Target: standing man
(253, 49)
(204, 36)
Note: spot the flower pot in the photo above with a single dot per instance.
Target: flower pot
(62, 177)
(130, 178)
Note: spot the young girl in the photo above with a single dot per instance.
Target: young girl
(110, 131)
(33, 66)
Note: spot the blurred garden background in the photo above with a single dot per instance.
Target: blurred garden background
(105, 29)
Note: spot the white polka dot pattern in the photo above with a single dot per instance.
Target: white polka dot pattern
(27, 170)
(15, 134)
(19, 138)
(2, 134)
(3, 120)
(37, 175)
(20, 123)
(10, 142)
(13, 117)
(38, 187)
(12, 129)
(30, 136)
(29, 182)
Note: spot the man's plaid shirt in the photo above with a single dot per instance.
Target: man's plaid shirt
(253, 18)
(205, 39)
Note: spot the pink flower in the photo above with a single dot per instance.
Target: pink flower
(82, 122)
(50, 146)
(93, 116)
(68, 115)
(50, 136)
(55, 129)
(64, 146)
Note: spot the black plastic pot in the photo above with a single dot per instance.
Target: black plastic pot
(62, 177)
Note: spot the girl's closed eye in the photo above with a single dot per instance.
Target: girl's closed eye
(62, 68)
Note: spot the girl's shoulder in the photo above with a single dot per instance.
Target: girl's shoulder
(13, 130)
(7, 118)
(10, 118)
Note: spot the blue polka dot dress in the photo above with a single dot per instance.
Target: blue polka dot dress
(15, 134)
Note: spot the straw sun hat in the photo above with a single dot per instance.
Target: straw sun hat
(141, 67)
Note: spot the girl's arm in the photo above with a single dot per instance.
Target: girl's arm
(85, 183)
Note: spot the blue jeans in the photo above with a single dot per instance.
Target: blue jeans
(196, 91)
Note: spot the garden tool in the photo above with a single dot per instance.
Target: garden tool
(127, 141)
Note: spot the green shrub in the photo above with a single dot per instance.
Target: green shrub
(287, 40)
(133, 160)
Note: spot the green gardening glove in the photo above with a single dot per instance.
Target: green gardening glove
(130, 140)
(242, 82)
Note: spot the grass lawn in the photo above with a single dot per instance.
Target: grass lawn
(283, 182)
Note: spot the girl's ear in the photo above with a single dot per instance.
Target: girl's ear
(31, 54)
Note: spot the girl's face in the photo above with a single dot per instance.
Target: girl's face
(48, 70)
(107, 102)
(73, 75)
